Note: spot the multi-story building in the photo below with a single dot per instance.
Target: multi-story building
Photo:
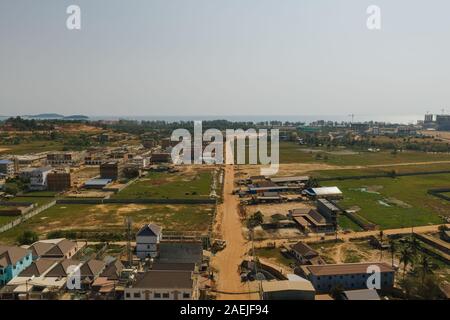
(7, 168)
(59, 180)
(38, 178)
(147, 241)
(111, 170)
(350, 276)
(13, 260)
(63, 158)
(329, 210)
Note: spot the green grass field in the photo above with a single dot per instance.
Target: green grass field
(395, 203)
(291, 152)
(275, 255)
(346, 224)
(110, 218)
(162, 185)
(32, 147)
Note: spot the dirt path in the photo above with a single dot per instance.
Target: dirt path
(227, 261)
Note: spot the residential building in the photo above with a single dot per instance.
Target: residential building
(59, 181)
(310, 220)
(54, 248)
(329, 210)
(351, 276)
(13, 260)
(163, 285)
(38, 178)
(64, 158)
(7, 168)
(147, 241)
(160, 158)
(305, 254)
(111, 170)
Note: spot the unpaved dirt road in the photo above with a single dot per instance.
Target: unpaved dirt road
(227, 261)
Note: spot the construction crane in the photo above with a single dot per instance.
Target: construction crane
(352, 116)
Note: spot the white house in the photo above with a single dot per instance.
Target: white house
(147, 241)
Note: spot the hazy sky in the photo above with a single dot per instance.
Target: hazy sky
(224, 57)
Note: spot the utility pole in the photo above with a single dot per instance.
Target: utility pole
(128, 225)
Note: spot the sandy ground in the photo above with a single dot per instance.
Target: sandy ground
(291, 169)
(287, 169)
(444, 135)
(227, 261)
(4, 149)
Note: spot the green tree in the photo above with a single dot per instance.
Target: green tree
(392, 249)
(405, 258)
(426, 267)
(27, 237)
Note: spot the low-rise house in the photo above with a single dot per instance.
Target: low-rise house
(310, 220)
(32, 283)
(147, 241)
(350, 276)
(54, 248)
(163, 285)
(13, 260)
(305, 254)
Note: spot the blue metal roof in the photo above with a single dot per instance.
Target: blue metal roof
(98, 182)
(5, 161)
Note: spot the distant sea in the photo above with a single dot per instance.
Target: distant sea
(400, 119)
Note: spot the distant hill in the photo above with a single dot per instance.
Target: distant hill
(52, 116)
(76, 117)
(45, 116)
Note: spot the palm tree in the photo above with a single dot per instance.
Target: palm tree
(413, 244)
(405, 258)
(392, 248)
(381, 234)
(426, 266)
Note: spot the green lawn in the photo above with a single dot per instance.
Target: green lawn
(110, 218)
(395, 203)
(347, 224)
(162, 185)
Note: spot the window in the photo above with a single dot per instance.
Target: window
(127, 295)
(186, 295)
(166, 295)
(137, 295)
(157, 295)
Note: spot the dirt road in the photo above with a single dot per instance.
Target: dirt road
(227, 261)
(353, 235)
